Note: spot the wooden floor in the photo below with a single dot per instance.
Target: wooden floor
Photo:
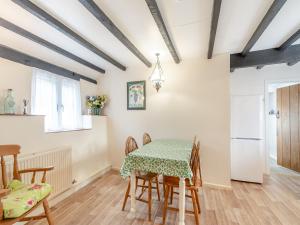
(277, 202)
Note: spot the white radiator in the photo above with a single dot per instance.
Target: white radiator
(60, 178)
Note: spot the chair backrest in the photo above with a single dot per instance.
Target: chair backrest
(195, 140)
(199, 163)
(146, 139)
(7, 150)
(130, 145)
(195, 164)
(194, 149)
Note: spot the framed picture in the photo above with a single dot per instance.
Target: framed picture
(136, 95)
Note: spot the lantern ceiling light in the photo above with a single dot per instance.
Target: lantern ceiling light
(157, 77)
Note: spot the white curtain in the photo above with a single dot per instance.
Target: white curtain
(44, 97)
(57, 98)
(71, 101)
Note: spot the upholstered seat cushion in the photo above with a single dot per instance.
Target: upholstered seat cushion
(146, 176)
(174, 181)
(23, 197)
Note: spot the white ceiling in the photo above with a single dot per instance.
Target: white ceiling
(188, 22)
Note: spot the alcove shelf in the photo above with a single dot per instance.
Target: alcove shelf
(3, 114)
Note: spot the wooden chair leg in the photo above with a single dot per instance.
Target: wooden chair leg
(143, 189)
(164, 189)
(172, 194)
(195, 206)
(126, 196)
(167, 189)
(48, 212)
(149, 199)
(157, 188)
(136, 183)
(198, 202)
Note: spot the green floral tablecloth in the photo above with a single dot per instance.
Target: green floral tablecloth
(167, 157)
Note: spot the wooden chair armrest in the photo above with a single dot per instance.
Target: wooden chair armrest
(4, 192)
(32, 170)
(35, 170)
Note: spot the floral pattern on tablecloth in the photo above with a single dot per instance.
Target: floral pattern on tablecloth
(166, 157)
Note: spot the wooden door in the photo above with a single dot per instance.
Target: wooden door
(288, 135)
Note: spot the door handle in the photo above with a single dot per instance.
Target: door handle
(277, 114)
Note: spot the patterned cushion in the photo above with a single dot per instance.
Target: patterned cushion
(15, 185)
(23, 197)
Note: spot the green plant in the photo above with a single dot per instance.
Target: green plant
(96, 101)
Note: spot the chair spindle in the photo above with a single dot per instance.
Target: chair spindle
(44, 177)
(3, 168)
(33, 177)
(16, 174)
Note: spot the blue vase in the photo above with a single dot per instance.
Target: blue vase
(9, 103)
(96, 111)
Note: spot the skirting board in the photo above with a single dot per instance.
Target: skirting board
(116, 169)
(78, 186)
(219, 186)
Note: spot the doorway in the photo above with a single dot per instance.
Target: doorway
(282, 127)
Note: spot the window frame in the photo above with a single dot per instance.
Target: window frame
(58, 81)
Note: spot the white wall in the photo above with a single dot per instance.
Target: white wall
(90, 147)
(250, 81)
(194, 101)
(18, 77)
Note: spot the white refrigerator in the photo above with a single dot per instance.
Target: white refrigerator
(247, 138)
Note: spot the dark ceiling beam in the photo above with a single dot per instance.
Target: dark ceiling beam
(24, 33)
(265, 57)
(153, 7)
(214, 26)
(43, 15)
(290, 41)
(93, 8)
(272, 12)
(22, 58)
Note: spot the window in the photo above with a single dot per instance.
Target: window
(58, 98)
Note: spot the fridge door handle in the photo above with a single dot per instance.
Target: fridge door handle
(253, 139)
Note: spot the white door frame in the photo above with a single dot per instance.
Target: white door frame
(267, 131)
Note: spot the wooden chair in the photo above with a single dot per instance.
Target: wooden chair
(173, 182)
(194, 154)
(195, 140)
(146, 139)
(191, 159)
(14, 150)
(131, 145)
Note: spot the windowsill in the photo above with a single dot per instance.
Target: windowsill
(60, 131)
(93, 115)
(18, 114)
(6, 114)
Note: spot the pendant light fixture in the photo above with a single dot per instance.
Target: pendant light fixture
(157, 77)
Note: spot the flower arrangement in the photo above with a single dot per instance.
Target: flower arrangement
(96, 103)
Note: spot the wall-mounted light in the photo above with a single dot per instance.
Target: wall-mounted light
(157, 77)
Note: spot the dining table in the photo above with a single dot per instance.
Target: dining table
(169, 157)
